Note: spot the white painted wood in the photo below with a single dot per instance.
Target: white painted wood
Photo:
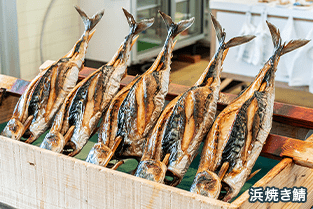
(31, 177)
(231, 15)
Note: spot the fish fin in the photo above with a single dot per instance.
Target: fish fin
(177, 28)
(218, 30)
(140, 26)
(275, 35)
(294, 44)
(238, 41)
(89, 22)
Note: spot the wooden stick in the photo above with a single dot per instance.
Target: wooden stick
(281, 146)
(253, 174)
(117, 142)
(69, 134)
(166, 158)
(26, 126)
(223, 170)
(118, 164)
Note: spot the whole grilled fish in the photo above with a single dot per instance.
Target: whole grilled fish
(83, 108)
(185, 121)
(240, 130)
(135, 109)
(45, 94)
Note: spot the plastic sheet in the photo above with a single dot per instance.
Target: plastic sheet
(303, 65)
(245, 52)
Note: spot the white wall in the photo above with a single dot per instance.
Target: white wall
(60, 34)
(9, 54)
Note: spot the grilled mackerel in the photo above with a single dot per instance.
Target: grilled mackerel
(84, 106)
(135, 109)
(185, 121)
(240, 130)
(45, 94)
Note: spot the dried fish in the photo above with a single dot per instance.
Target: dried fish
(86, 103)
(185, 121)
(38, 105)
(240, 130)
(135, 109)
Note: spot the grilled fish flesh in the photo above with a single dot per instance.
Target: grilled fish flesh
(185, 121)
(84, 106)
(240, 130)
(36, 108)
(135, 109)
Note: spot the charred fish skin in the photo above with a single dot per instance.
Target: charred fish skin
(240, 130)
(85, 105)
(38, 105)
(186, 119)
(134, 111)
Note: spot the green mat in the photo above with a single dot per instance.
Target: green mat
(265, 164)
(142, 45)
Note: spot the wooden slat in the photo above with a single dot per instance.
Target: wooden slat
(7, 107)
(280, 146)
(285, 174)
(288, 114)
(32, 177)
(283, 113)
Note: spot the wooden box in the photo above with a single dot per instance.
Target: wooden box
(31, 177)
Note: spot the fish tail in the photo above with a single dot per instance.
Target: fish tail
(294, 44)
(140, 26)
(275, 35)
(220, 33)
(176, 28)
(238, 40)
(277, 41)
(89, 22)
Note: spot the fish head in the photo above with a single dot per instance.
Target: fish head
(14, 129)
(100, 154)
(53, 141)
(152, 170)
(207, 183)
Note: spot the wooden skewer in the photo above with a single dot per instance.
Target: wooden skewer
(117, 142)
(253, 174)
(26, 126)
(118, 164)
(69, 134)
(223, 170)
(166, 158)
